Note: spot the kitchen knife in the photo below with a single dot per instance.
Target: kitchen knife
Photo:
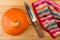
(34, 20)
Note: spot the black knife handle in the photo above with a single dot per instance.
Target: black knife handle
(38, 29)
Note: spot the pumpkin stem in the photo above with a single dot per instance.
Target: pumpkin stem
(17, 23)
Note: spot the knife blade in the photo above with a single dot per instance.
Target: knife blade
(34, 20)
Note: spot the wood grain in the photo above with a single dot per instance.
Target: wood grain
(30, 33)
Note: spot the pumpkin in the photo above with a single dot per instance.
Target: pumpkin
(15, 21)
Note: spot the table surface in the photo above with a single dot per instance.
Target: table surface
(30, 33)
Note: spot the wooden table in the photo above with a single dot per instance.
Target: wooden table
(30, 33)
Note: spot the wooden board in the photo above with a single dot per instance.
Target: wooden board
(30, 33)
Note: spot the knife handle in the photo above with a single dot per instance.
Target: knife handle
(38, 29)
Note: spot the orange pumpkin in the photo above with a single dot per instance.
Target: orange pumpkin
(15, 21)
